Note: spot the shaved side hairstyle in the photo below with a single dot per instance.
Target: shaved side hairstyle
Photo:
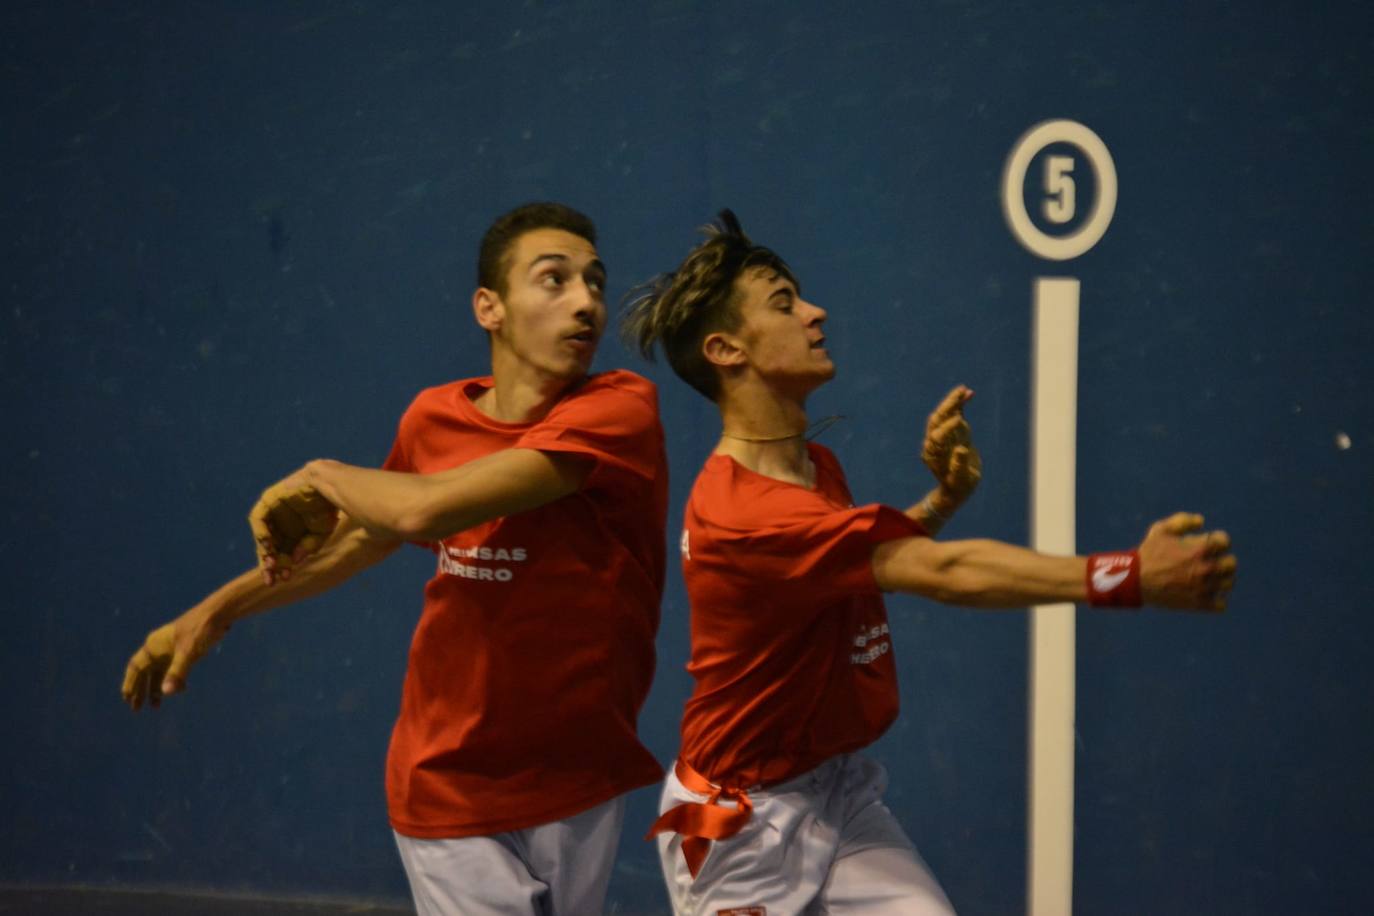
(678, 310)
(493, 257)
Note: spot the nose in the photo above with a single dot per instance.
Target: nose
(816, 314)
(587, 302)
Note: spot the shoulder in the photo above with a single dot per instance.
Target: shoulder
(619, 383)
(617, 400)
(729, 496)
(438, 402)
(445, 395)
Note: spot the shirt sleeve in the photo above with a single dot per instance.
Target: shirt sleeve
(820, 550)
(614, 422)
(398, 459)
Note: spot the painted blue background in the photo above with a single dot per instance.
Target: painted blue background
(239, 236)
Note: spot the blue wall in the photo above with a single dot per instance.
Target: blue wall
(239, 236)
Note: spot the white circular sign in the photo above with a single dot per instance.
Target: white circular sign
(1059, 189)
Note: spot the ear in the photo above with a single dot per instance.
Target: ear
(488, 308)
(721, 349)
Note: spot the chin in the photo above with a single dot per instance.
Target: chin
(574, 372)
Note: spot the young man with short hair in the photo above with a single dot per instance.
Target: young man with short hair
(542, 490)
(770, 809)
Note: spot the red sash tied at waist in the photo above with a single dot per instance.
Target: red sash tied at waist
(697, 823)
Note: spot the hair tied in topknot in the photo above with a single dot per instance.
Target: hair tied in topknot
(729, 223)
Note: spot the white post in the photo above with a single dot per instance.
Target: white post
(1054, 410)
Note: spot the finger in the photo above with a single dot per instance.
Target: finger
(955, 431)
(1217, 542)
(953, 402)
(958, 460)
(320, 515)
(131, 671)
(129, 689)
(265, 561)
(1181, 523)
(309, 544)
(143, 687)
(260, 518)
(951, 433)
(174, 681)
(257, 521)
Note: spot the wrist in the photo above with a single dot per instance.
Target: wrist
(944, 502)
(1113, 579)
(319, 475)
(212, 616)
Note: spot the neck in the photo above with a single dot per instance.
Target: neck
(766, 435)
(521, 394)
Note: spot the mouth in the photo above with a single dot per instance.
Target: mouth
(818, 344)
(584, 338)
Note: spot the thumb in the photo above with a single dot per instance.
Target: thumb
(1176, 525)
(1181, 523)
(174, 681)
(958, 466)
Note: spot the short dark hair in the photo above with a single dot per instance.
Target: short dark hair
(493, 257)
(678, 310)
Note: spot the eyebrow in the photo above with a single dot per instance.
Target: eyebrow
(595, 263)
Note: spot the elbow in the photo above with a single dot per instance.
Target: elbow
(963, 593)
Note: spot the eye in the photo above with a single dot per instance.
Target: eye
(551, 281)
(596, 283)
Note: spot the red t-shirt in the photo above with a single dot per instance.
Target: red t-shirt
(790, 645)
(535, 649)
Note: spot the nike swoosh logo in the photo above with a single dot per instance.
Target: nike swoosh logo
(1105, 581)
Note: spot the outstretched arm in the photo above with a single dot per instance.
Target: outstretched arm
(161, 664)
(949, 453)
(1179, 567)
(411, 507)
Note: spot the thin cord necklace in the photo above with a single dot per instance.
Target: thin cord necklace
(815, 430)
(761, 438)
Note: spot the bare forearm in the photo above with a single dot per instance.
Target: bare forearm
(979, 573)
(430, 507)
(351, 550)
(386, 502)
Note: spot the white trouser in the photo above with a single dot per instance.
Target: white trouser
(823, 843)
(556, 869)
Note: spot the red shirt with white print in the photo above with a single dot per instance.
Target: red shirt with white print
(790, 646)
(535, 649)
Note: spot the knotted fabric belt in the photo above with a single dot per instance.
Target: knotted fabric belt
(697, 823)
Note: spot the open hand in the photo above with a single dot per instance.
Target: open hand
(948, 449)
(160, 665)
(1184, 567)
